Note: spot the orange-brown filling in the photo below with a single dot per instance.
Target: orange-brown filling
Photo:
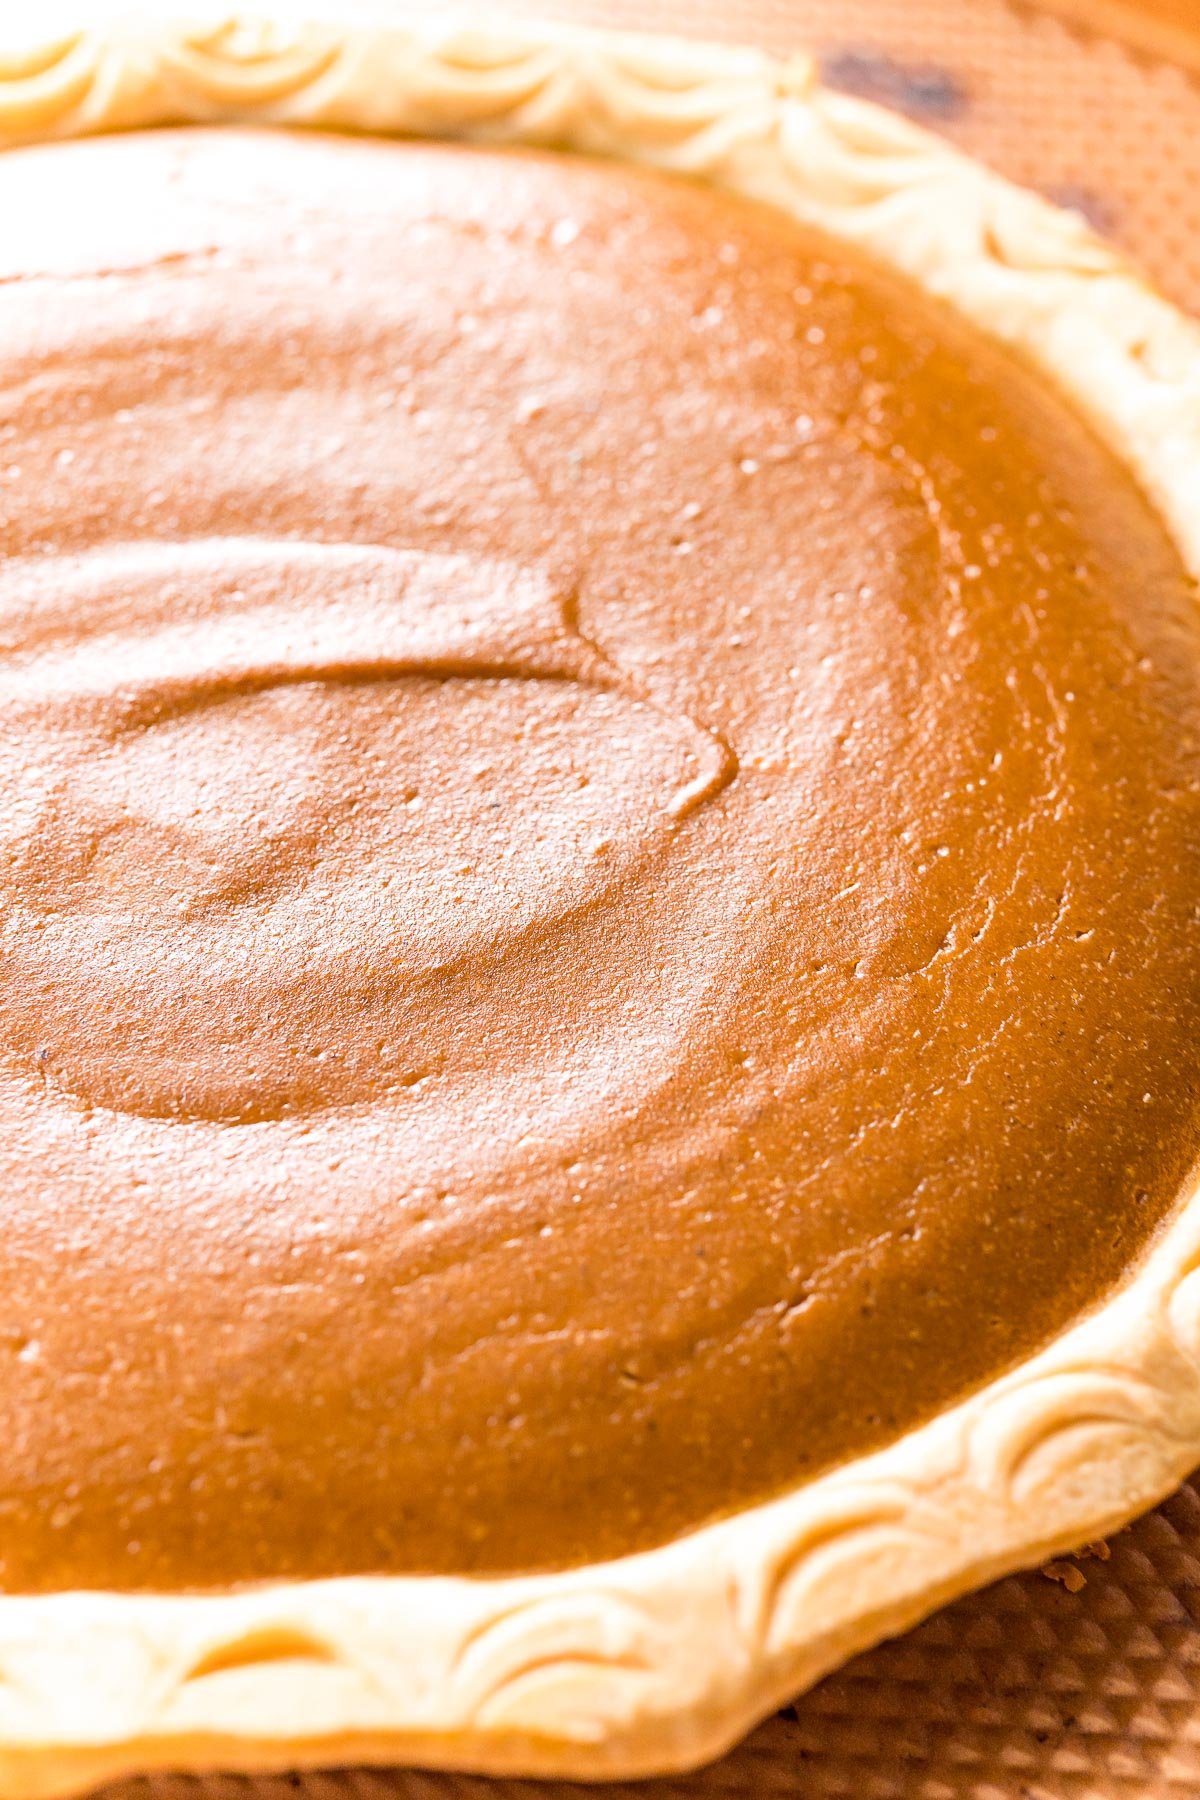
(599, 837)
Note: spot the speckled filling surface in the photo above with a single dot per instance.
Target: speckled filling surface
(597, 873)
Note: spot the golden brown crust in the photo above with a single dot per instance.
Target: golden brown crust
(659, 1660)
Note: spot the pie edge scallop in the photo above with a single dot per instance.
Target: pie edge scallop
(658, 1661)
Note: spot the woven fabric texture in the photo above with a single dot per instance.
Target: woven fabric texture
(1039, 1688)
(1093, 123)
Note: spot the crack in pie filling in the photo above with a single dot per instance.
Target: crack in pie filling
(598, 861)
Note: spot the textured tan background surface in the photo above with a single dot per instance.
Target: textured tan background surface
(1095, 123)
(1028, 1691)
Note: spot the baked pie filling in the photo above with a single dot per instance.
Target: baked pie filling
(598, 905)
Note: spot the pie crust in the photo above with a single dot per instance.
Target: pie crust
(661, 1660)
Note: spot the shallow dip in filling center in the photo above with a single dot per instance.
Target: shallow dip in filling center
(599, 816)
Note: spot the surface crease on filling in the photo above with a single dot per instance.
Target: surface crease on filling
(598, 848)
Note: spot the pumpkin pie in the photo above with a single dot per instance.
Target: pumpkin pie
(599, 895)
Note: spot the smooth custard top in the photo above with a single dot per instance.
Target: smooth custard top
(599, 834)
